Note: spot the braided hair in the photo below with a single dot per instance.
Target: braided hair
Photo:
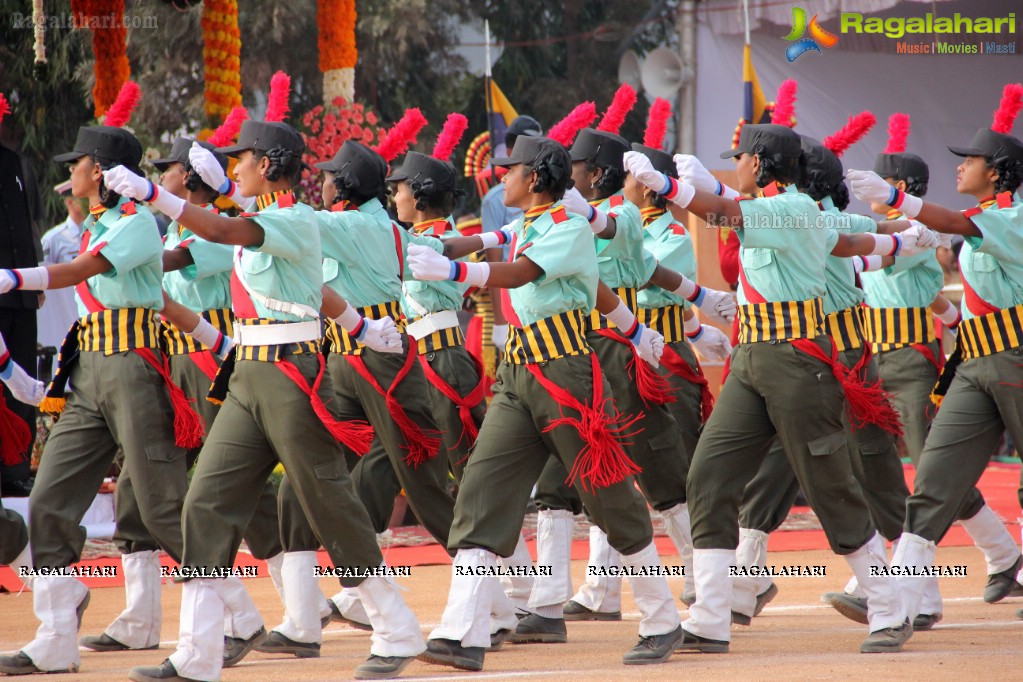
(430, 193)
(778, 168)
(284, 164)
(553, 168)
(195, 183)
(611, 180)
(1010, 173)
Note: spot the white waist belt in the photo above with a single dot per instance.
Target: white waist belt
(433, 322)
(276, 334)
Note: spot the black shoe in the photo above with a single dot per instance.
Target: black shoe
(926, 621)
(703, 645)
(338, 617)
(382, 667)
(20, 664)
(236, 648)
(1000, 585)
(741, 618)
(451, 653)
(21, 488)
(849, 605)
(576, 611)
(497, 639)
(765, 598)
(653, 649)
(155, 673)
(887, 640)
(688, 598)
(105, 642)
(534, 628)
(276, 643)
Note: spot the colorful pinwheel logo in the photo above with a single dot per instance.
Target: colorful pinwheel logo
(800, 45)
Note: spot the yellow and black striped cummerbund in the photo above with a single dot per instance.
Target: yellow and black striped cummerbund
(845, 328)
(117, 331)
(179, 343)
(276, 352)
(443, 338)
(668, 321)
(548, 339)
(627, 294)
(992, 333)
(894, 328)
(780, 320)
(343, 344)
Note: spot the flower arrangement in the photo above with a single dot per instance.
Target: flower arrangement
(109, 46)
(324, 129)
(222, 46)
(336, 43)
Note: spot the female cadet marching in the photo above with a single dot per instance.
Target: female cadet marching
(551, 397)
(276, 410)
(783, 369)
(983, 397)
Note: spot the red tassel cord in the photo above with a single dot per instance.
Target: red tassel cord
(189, 427)
(15, 435)
(675, 364)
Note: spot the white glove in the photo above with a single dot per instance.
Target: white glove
(711, 343)
(649, 345)
(643, 170)
(7, 281)
(427, 264)
(208, 168)
(575, 202)
(928, 239)
(869, 186)
(24, 388)
(380, 335)
(496, 238)
(499, 335)
(717, 306)
(951, 317)
(126, 183)
(691, 170)
(917, 239)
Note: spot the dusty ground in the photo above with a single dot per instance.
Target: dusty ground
(796, 638)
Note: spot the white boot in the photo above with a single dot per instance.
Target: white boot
(710, 617)
(651, 594)
(395, 628)
(241, 617)
(752, 551)
(502, 610)
(348, 603)
(466, 617)
(602, 593)
(24, 561)
(273, 566)
(884, 608)
(993, 539)
(676, 523)
(554, 549)
(517, 587)
(200, 652)
(138, 626)
(303, 599)
(54, 600)
(913, 552)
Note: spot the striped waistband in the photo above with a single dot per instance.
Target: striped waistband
(342, 343)
(668, 321)
(272, 353)
(892, 328)
(627, 294)
(179, 343)
(445, 338)
(845, 328)
(992, 333)
(780, 320)
(547, 339)
(116, 331)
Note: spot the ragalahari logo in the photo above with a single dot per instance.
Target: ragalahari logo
(800, 45)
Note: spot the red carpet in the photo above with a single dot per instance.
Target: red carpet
(998, 484)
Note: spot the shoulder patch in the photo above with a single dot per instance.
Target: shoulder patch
(286, 200)
(246, 214)
(1004, 200)
(616, 200)
(129, 208)
(559, 215)
(678, 229)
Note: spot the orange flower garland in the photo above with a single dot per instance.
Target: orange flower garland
(336, 43)
(222, 46)
(109, 46)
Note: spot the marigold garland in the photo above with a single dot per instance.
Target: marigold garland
(336, 43)
(222, 46)
(109, 46)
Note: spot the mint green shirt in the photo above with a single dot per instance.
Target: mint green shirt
(993, 263)
(842, 291)
(566, 253)
(670, 244)
(131, 242)
(360, 254)
(286, 266)
(432, 297)
(912, 282)
(622, 259)
(783, 247)
(206, 283)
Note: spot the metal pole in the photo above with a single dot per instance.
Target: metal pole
(686, 26)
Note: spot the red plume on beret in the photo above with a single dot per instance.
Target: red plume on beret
(657, 123)
(851, 133)
(898, 133)
(566, 129)
(621, 105)
(228, 130)
(5, 108)
(454, 127)
(127, 99)
(277, 101)
(785, 105)
(1008, 108)
(401, 135)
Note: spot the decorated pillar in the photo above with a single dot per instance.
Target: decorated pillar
(336, 21)
(221, 52)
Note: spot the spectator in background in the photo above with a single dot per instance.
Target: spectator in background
(20, 206)
(61, 244)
